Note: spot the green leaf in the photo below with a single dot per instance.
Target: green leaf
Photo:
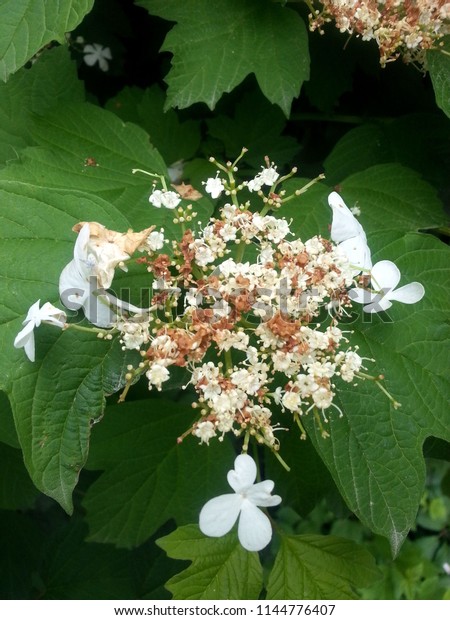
(26, 26)
(418, 141)
(438, 63)
(31, 91)
(391, 198)
(320, 567)
(217, 43)
(220, 569)
(375, 451)
(157, 479)
(92, 147)
(261, 133)
(175, 140)
(54, 400)
(82, 147)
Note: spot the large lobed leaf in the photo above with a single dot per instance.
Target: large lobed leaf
(375, 451)
(217, 43)
(148, 477)
(51, 80)
(320, 567)
(220, 569)
(28, 25)
(56, 399)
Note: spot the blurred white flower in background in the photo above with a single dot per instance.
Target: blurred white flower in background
(96, 53)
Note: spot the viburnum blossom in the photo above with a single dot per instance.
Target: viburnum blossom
(218, 516)
(214, 187)
(385, 276)
(349, 235)
(97, 53)
(404, 29)
(47, 314)
(167, 199)
(258, 333)
(267, 176)
(83, 281)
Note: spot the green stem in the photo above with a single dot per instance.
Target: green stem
(228, 360)
(380, 386)
(300, 425)
(282, 461)
(240, 251)
(91, 330)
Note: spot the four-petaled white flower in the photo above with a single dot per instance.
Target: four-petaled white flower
(168, 199)
(97, 53)
(214, 187)
(47, 314)
(349, 235)
(218, 516)
(385, 276)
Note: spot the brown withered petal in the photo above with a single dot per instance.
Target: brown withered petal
(128, 242)
(187, 192)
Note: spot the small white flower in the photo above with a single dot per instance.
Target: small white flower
(155, 240)
(168, 199)
(218, 516)
(214, 187)
(157, 375)
(47, 314)
(205, 431)
(349, 235)
(385, 276)
(97, 53)
(267, 176)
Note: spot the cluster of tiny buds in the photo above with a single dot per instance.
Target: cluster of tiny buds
(185, 215)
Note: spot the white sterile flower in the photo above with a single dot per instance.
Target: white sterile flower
(214, 187)
(218, 516)
(83, 281)
(168, 199)
(348, 234)
(47, 314)
(97, 53)
(385, 276)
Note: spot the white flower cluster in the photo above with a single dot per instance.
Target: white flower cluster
(272, 323)
(399, 28)
(256, 333)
